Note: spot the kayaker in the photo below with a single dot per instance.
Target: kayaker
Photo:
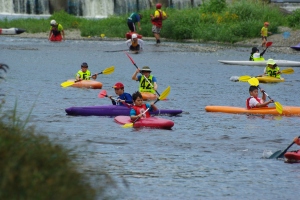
(84, 73)
(264, 33)
(135, 44)
(144, 80)
(123, 97)
(132, 19)
(156, 20)
(254, 101)
(56, 31)
(137, 111)
(255, 55)
(272, 69)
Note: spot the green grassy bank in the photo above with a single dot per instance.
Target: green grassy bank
(213, 21)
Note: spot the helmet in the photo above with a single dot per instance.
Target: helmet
(158, 6)
(118, 85)
(53, 22)
(254, 49)
(266, 23)
(134, 36)
(84, 64)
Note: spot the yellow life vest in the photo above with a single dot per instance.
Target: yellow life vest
(133, 43)
(145, 85)
(84, 75)
(273, 72)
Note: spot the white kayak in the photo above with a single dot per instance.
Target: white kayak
(280, 63)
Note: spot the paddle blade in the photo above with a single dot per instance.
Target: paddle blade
(253, 81)
(67, 83)
(269, 44)
(102, 94)
(244, 78)
(279, 107)
(129, 125)
(287, 71)
(275, 155)
(109, 70)
(165, 93)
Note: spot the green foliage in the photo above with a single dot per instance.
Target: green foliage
(34, 168)
(213, 6)
(293, 20)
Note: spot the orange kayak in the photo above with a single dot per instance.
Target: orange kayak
(90, 84)
(148, 96)
(287, 110)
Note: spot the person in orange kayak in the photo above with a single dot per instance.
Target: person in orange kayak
(254, 101)
(156, 20)
(272, 69)
(135, 44)
(123, 97)
(139, 108)
(255, 55)
(84, 73)
(56, 31)
(145, 86)
(264, 33)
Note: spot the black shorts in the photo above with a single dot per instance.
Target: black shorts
(137, 48)
(131, 26)
(264, 37)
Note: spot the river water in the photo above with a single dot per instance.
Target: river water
(204, 156)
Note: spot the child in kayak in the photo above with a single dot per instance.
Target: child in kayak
(145, 86)
(272, 69)
(255, 55)
(123, 97)
(138, 110)
(254, 101)
(84, 73)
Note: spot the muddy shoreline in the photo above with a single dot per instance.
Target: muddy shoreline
(280, 44)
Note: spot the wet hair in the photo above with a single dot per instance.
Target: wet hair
(136, 95)
(252, 88)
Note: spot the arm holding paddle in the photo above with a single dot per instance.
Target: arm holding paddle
(145, 74)
(150, 107)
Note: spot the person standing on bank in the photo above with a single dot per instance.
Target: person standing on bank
(56, 31)
(156, 20)
(132, 19)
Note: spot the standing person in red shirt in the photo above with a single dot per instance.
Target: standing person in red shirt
(156, 20)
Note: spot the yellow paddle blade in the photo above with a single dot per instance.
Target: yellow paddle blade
(279, 107)
(287, 71)
(165, 93)
(244, 78)
(109, 70)
(129, 125)
(67, 83)
(253, 81)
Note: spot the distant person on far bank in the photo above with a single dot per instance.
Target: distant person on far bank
(56, 31)
(156, 20)
(135, 44)
(264, 34)
(132, 20)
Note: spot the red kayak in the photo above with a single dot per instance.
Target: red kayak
(151, 122)
(292, 156)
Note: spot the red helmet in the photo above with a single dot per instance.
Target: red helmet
(158, 6)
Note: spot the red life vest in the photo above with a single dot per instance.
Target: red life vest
(158, 21)
(248, 100)
(141, 109)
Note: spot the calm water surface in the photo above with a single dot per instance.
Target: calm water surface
(204, 156)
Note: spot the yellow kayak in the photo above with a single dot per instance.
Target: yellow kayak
(269, 79)
(287, 110)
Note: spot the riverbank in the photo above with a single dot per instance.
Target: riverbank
(280, 44)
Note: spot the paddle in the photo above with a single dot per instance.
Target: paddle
(140, 72)
(268, 44)
(255, 82)
(280, 154)
(284, 71)
(106, 71)
(163, 95)
(103, 94)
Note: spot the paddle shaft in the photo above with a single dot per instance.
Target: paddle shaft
(140, 72)
(284, 151)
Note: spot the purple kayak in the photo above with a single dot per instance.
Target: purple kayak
(297, 47)
(112, 110)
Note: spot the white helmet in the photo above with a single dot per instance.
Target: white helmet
(53, 22)
(134, 36)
